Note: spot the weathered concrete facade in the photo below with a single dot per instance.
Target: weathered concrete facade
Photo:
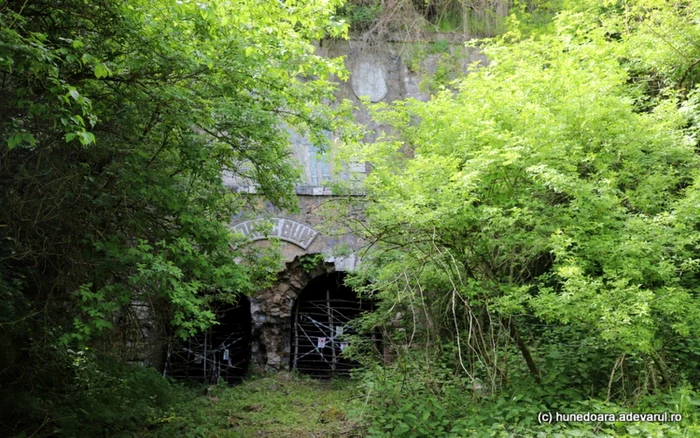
(379, 74)
(305, 232)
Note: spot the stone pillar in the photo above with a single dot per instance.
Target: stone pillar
(271, 311)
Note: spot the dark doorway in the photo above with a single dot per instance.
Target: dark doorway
(321, 325)
(220, 353)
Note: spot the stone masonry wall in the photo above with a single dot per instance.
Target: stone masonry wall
(271, 310)
(380, 73)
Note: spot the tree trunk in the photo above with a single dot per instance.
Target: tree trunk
(524, 350)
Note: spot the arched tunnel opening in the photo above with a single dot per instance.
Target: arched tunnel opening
(220, 353)
(321, 325)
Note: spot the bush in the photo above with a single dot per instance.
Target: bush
(408, 399)
(79, 394)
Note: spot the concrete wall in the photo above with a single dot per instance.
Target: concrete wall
(383, 73)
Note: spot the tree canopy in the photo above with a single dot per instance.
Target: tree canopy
(117, 120)
(546, 204)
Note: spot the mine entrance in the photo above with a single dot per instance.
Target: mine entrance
(321, 325)
(220, 353)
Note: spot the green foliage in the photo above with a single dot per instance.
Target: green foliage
(104, 398)
(420, 396)
(439, 46)
(408, 19)
(541, 221)
(137, 201)
(448, 23)
(92, 395)
(280, 406)
(117, 122)
(360, 15)
(438, 64)
(309, 262)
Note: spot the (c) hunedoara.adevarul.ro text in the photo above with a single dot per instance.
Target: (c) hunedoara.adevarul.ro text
(591, 417)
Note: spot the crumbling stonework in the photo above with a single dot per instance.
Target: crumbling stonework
(271, 310)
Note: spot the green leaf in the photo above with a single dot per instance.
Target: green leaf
(19, 138)
(86, 138)
(101, 71)
(74, 93)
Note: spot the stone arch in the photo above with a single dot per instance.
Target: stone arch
(284, 229)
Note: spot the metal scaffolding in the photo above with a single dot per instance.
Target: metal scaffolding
(322, 322)
(220, 353)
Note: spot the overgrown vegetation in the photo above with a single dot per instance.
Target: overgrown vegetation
(133, 401)
(117, 120)
(378, 20)
(281, 406)
(535, 233)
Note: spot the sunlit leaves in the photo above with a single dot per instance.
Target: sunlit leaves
(118, 121)
(556, 151)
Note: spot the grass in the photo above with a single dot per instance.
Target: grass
(281, 405)
(284, 405)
